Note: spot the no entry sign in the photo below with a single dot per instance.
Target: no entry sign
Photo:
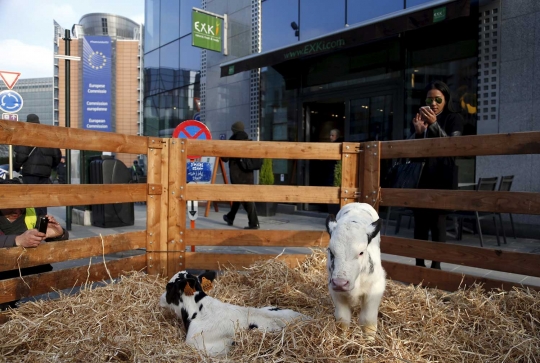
(192, 129)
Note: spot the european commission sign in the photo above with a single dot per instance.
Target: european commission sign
(97, 83)
(209, 30)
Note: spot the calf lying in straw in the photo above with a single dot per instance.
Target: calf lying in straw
(356, 276)
(210, 323)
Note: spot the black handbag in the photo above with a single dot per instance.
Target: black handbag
(405, 174)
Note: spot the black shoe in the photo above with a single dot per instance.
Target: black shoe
(253, 227)
(226, 219)
(436, 265)
(420, 262)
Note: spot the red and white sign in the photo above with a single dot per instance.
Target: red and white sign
(9, 78)
(192, 129)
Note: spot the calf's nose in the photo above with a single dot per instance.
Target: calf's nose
(340, 284)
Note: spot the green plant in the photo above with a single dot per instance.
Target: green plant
(266, 175)
(337, 174)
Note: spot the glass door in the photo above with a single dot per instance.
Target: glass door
(371, 118)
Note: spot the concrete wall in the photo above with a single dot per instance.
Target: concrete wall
(519, 110)
(227, 99)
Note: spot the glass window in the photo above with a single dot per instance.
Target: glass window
(186, 7)
(170, 12)
(277, 16)
(151, 116)
(169, 64)
(315, 21)
(151, 29)
(358, 11)
(190, 57)
(151, 72)
(411, 3)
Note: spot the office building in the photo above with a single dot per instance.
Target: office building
(296, 69)
(37, 95)
(106, 84)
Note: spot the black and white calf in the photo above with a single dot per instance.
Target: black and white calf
(356, 276)
(210, 323)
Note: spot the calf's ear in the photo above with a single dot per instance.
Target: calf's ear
(331, 223)
(373, 229)
(208, 274)
(173, 293)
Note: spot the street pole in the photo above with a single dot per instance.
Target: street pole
(67, 40)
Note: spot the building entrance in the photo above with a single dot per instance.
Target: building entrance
(360, 116)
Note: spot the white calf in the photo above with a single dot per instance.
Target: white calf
(356, 276)
(210, 323)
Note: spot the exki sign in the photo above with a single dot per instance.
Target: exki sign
(206, 31)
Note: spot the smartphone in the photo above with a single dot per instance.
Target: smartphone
(43, 224)
(425, 107)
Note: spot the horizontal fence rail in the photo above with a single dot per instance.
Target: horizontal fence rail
(265, 149)
(479, 145)
(262, 193)
(52, 252)
(468, 200)
(29, 134)
(59, 195)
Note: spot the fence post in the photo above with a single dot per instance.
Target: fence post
(371, 174)
(156, 202)
(176, 223)
(349, 172)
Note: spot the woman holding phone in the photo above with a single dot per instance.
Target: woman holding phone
(437, 119)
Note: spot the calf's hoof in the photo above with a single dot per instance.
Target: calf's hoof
(370, 331)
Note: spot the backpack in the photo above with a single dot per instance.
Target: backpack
(247, 164)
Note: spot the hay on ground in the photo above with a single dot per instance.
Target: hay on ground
(122, 322)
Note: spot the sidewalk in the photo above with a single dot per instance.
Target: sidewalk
(301, 221)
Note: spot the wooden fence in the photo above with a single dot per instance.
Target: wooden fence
(166, 194)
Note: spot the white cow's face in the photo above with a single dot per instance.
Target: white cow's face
(348, 255)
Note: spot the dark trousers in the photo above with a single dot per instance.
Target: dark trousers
(31, 179)
(429, 220)
(250, 209)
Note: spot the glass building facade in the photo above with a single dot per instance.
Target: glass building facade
(172, 67)
(369, 90)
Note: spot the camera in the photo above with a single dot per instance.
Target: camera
(43, 224)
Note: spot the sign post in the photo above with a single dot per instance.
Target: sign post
(193, 213)
(10, 102)
(207, 31)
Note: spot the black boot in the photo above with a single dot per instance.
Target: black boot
(420, 262)
(436, 265)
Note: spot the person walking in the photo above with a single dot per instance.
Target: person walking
(437, 119)
(136, 171)
(240, 176)
(61, 171)
(37, 163)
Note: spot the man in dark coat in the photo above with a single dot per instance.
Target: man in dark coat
(61, 171)
(36, 162)
(240, 176)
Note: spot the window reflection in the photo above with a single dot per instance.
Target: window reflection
(358, 11)
(318, 17)
(186, 7)
(276, 26)
(170, 12)
(151, 28)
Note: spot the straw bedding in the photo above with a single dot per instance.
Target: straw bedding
(123, 322)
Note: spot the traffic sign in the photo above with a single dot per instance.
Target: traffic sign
(9, 78)
(10, 101)
(193, 209)
(10, 116)
(192, 129)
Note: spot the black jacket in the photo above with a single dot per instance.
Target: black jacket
(237, 174)
(61, 171)
(441, 173)
(39, 162)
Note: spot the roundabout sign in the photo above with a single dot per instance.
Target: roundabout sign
(10, 101)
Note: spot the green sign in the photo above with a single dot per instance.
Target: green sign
(439, 14)
(206, 31)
